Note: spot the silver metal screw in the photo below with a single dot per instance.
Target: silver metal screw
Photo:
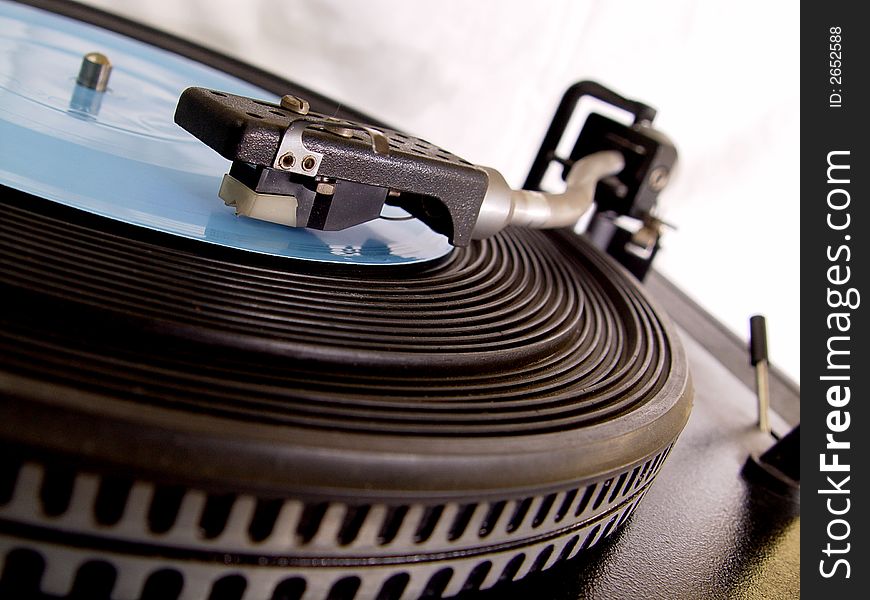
(295, 104)
(326, 188)
(658, 179)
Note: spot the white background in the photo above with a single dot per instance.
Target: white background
(482, 80)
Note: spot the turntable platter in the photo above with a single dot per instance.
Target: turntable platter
(198, 406)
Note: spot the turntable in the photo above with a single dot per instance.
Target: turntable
(256, 345)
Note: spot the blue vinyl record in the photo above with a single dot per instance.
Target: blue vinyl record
(120, 155)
